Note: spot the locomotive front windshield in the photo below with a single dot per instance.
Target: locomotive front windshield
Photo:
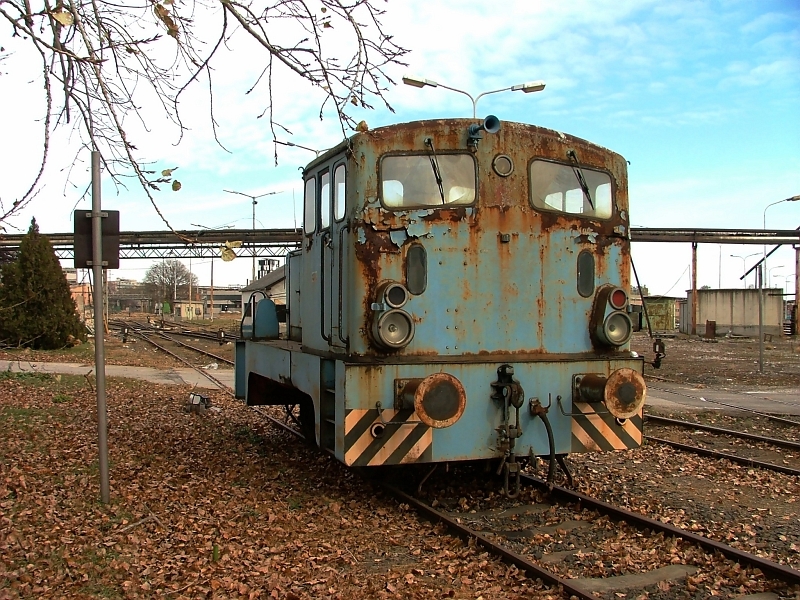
(427, 180)
(570, 189)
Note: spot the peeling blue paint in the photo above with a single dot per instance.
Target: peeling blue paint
(398, 236)
(418, 229)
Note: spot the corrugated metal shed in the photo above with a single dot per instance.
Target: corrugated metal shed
(662, 312)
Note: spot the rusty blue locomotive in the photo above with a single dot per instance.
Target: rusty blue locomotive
(461, 293)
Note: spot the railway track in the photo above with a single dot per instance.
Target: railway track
(226, 334)
(563, 537)
(148, 337)
(741, 447)
(750, 455)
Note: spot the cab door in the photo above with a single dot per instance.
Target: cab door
(324, 228)
(335, 249)
(327, 255)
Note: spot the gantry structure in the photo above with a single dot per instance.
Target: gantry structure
(206, 243)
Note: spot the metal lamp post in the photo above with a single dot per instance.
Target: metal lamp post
(212, 262)
(792, 199)
(532, 86)
(253, 198)
(744, 262)
(769, 274)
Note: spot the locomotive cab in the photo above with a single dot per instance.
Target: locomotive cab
(460, 293)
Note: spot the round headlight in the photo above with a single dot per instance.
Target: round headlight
(617, 328)
(395, 295)
(393, 329)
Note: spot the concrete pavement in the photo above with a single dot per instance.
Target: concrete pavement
(679, 396)
(182, 376)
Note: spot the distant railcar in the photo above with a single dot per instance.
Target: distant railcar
(460, 294)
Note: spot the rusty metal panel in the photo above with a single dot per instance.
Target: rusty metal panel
(502, 276)
(474, 435)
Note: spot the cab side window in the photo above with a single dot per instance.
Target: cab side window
(310, 207)
(339, 193)
(325, 199)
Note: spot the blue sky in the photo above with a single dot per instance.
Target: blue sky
(702, 97)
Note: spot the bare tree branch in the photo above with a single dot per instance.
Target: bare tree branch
(112, 61)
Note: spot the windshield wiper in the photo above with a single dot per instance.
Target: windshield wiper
(437, 174)
(579, 175)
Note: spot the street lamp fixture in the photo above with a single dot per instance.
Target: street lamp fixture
(419, 82)
(792, 199)
(253, 198)
(744, 262)
(293, 145)
(769, 273)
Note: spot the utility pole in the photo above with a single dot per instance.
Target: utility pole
(760, 286)
(796, 314)
(694, 288)
(99, 337)
(212, 289)
(253, 198)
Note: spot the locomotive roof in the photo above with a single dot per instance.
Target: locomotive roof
(440, 124)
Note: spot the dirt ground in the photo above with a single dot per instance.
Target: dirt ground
(724, 362)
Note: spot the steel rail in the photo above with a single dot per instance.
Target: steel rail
(779, 571)
(183, 330)
(230, 336)
(141, 326)
(740, 460)
(532, 569)
(737, 392)
(221, 385)
(741, 408)
(190, 347)
(285, 426)
(710, 428)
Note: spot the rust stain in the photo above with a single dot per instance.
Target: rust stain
(439, 215)
(504, 208)
(625, 393)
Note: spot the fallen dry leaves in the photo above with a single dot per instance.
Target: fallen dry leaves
(217, 505)
(753, 509)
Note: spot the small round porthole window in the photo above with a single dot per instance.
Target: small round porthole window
(503, 165)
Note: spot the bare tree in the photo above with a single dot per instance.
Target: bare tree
(168, 280)
(100, 58)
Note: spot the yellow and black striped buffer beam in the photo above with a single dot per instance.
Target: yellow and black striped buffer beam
(594, 431)
(404, 438)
